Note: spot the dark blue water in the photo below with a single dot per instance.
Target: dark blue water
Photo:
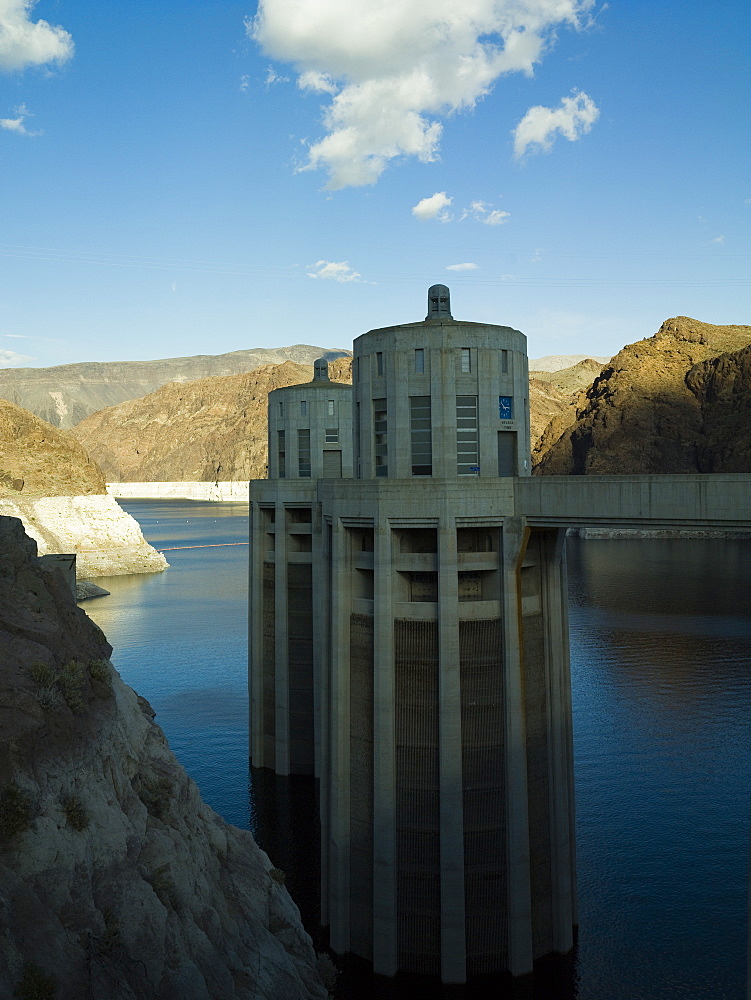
(661, 672)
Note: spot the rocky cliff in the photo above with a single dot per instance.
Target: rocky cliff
(36, 460)
(48, 480)
(208, 430)
(553, 394)
(116, 880)
(675, 402)
(66, 394)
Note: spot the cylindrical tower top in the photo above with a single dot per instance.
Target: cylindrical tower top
(439, 302)
(441, 398)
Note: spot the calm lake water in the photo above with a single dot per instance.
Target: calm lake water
(661, 672)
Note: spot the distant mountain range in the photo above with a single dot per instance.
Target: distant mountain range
(66, 394)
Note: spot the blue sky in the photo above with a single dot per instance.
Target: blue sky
(200, 177)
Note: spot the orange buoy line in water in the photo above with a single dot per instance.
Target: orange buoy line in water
(212, 545)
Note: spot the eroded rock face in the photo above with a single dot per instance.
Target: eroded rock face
(37, 460)
(115, 878)
(213, 429)
(651, 409)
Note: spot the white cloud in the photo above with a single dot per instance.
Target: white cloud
(244, 82)
(461, 267)
(718, 239)
(335, 270)
(538, 127)
(481, 211)
(320, 82)
(24, 42)
(393, 67)
(273, 77)
(433, 207)
(11, 358)
(17, 124)
(496, 218)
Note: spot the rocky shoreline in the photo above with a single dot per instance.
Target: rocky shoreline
(116, 879)
(107, 541)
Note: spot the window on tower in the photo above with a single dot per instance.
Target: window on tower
(422, 446)
(303, 453)
(467, 441)
(380, 437)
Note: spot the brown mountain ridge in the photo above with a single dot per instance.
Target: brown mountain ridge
(676, 402)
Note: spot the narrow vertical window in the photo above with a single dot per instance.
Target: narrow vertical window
(331, 408)
(280, 454)
(504, 362)
(380, 437)
(303, 453)
(467, 443)
(420, 360)
(281, 408)
(357, 440)
(357, 369)
(422, 445)
(379, 363)
(303, 407)
(466, 360)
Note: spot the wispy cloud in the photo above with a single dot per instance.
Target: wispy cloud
(393, 69)
(244, 82)
(718, 239)
(333, 270)
(17, 124)
(11, 358)
(433, 207)
(481, 211)
(539, 127)
(25, 43)
(273, 77)
(461, 267)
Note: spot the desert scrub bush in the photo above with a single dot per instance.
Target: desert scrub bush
(15, 811)
(111, 938)
(43, 674)
(155, 793)
(49, 697)
(327, 971)
(71, 682)
(100, 671)
(75, 814)
(278, 875)
(34, 984)
(163, 885)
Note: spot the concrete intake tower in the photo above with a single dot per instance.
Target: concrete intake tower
(409, 646)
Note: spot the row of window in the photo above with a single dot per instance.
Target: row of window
(303, 452)
(330, 407)
(465, 362)
(467, 437)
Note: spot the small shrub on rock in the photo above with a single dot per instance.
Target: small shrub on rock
(44, 675)
(327, 971)
(75, 814)
(278, 875)
(15, 811)
(164, 886)
(35, 985)
(49, 697)
(155, 793)
(71, 683)
(100, 671)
